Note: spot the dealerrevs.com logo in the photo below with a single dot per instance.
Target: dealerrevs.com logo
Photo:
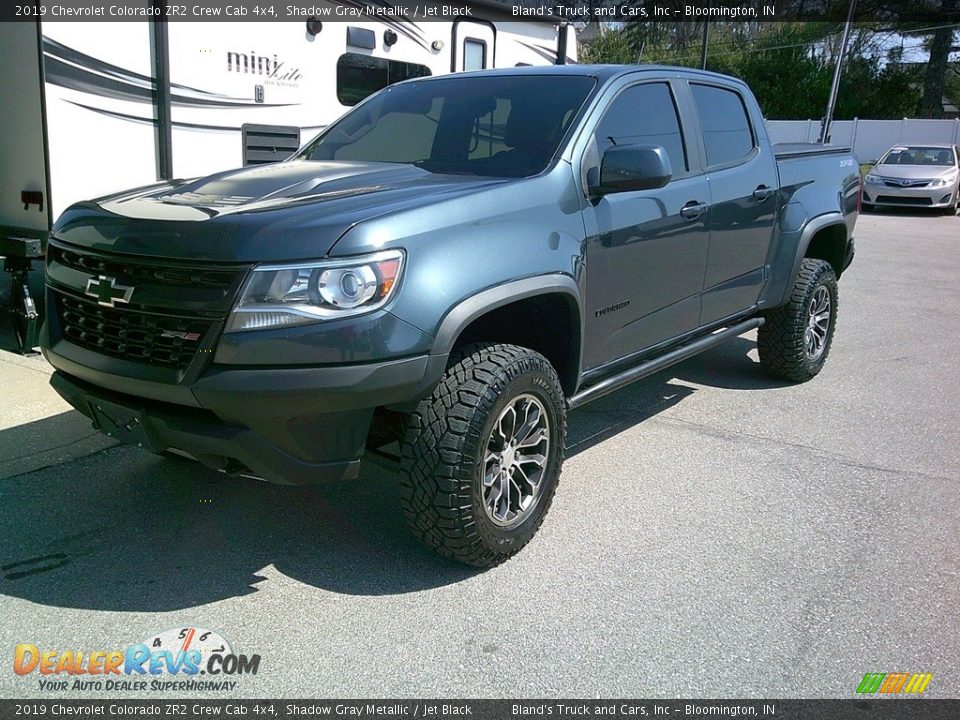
(190, 658)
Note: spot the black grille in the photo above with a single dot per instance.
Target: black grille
(136, 272)
(141, 337)
(904, 200)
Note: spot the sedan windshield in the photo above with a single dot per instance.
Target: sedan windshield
(919, 156)
(506, 126)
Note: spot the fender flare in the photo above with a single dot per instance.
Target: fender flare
(821, 222)
(475, 306)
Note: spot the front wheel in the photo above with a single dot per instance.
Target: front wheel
(482, 455)
(795, 339)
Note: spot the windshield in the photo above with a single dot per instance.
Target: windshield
(919, 156)
(506, 126)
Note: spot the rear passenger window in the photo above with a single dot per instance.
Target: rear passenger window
(726, 127)
(644, 115)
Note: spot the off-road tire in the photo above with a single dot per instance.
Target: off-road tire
(781, 339)
(444, 446)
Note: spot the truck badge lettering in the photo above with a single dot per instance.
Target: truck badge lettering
(611, 308)
(191, 336)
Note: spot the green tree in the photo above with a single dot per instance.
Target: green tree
(789, 66)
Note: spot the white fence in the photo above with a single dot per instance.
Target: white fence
(868, 138)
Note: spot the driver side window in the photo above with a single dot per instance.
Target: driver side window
(644, 115)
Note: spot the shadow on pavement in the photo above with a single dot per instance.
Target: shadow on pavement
(41, 443)
(126, 530)
(727, 366)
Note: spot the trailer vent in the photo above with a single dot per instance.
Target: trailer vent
(269, 143)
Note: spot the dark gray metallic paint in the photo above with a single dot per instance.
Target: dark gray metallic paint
(639, 275)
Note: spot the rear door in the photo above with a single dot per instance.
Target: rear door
(743, 186)
(646, 250)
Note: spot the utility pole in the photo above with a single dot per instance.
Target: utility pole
(835, 87)
(703, 47)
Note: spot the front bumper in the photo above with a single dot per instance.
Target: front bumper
(294, 426)
(921, 197)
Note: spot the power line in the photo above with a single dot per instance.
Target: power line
(796, 45)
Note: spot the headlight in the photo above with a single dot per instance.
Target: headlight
(940, 182)
(282, 295)
(873, 180)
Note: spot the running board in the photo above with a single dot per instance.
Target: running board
(650, 367)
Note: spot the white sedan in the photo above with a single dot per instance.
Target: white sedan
(922, 176)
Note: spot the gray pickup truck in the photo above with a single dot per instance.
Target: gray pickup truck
(441, 275)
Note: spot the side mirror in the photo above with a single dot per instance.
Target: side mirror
(625, 168)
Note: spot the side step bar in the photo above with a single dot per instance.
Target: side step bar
(615, 382)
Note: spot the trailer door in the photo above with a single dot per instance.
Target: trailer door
(24, 191)
(473, 45)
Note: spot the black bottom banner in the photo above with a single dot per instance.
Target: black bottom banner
(853, 709)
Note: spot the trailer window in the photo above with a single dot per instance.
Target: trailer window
(361, 75)
(474, 54)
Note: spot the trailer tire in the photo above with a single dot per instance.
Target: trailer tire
(457, 461)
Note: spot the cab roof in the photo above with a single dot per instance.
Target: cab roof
(601, 72)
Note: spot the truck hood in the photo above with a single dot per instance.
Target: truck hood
(291, 210)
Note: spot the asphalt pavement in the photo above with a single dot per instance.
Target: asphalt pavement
(715, 533)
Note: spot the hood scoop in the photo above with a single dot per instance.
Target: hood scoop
(195, 199)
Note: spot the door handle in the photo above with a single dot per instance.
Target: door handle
(693, 209)
(762, 193)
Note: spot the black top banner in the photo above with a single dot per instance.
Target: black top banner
(885, 11)
(912, 709)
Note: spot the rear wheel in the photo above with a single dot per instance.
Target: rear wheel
(482, 455)
(795, 339)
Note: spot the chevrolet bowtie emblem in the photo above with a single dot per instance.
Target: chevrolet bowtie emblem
(107, 292)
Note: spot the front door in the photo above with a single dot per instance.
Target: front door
(646, 250)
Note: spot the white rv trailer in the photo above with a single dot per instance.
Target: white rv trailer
(91, 108)
(96, 107)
